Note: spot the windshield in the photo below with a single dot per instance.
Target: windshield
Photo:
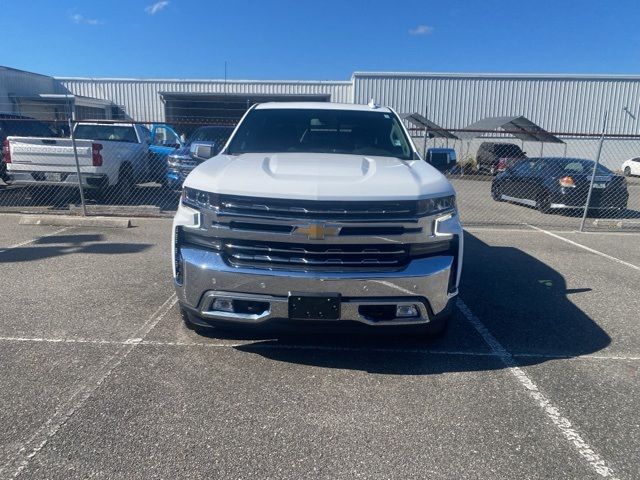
(582, 167)
(439, 158)
(211, 134)
(116, 133)
(507, 150)
(25, 128)
(321, 131)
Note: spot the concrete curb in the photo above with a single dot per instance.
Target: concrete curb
(74, 221)
(109, 210)
(622, 223)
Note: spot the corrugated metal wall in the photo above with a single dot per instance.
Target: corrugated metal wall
(556, 103)
(141, 98)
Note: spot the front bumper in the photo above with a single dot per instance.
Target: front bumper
(424, 283)
(176, 177)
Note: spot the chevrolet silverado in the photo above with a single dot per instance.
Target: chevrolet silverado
(317, 212)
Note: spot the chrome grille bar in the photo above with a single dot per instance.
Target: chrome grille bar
(291, 208)
(268, 254)
(302, 250)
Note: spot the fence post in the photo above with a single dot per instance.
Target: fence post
(593, 174)
(426, 139)
(75, 155)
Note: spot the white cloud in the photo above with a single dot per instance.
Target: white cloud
(156, 7)
(421, 30)
(81, 19)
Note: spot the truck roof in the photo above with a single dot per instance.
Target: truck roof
(106, 123)
(321, 106)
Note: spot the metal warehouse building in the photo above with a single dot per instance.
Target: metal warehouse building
(571, 105)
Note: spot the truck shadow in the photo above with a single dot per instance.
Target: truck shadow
(59, 245)
(521, 300)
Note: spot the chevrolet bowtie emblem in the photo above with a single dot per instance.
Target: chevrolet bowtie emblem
(318, 231)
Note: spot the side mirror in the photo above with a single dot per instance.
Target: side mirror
(202, 151)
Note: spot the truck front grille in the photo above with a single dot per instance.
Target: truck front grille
(314, 256)
(311, 209)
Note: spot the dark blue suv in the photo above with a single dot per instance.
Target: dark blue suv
(204, 143)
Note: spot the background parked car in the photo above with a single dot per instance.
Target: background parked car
(17, 125)
(204, 143)
(631, 167)
(560, 183)
(497, 157)
(443, 159)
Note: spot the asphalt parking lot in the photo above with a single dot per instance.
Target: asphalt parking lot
(537, 376)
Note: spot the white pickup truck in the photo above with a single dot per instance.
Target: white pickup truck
(117, 155)
(317, 212)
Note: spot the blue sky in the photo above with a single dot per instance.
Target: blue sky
(324, 40)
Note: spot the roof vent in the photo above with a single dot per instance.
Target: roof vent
(372, 104)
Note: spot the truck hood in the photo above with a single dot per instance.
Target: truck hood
(319, 176)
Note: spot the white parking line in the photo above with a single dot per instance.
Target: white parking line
(28, 242)
(64, 412)
(273, 346)
(526, 229)
(588, 249)
(597, 463)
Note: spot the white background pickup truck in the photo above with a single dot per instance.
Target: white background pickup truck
(109, 154)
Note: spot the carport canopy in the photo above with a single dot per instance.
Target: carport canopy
(433, 129)
(520, 127)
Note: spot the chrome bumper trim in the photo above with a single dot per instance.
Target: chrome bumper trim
(278, 309)
(422, 282)
(562, 205)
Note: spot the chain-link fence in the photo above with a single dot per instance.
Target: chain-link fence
(114, 165)
(102, 167)
(581, 181)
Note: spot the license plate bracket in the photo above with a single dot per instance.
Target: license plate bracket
(53, 176)
(312, 306)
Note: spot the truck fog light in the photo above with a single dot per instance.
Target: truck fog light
(406, 311)
(223, 305)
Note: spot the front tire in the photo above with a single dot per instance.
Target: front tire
(543, 202)
(186, 318)
(496, 194)
(627, 171)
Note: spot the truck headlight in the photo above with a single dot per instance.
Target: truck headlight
(199, 199)
(179, 160)
(435, 206)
